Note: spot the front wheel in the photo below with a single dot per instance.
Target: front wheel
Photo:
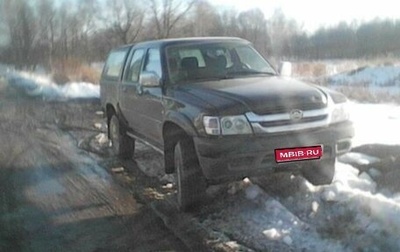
(320, 173)
(122, 145)
(191, 185)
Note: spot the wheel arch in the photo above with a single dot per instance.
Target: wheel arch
(173, 130)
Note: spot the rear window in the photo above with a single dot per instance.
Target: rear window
(114, 64)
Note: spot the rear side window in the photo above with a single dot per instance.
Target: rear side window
(114, 64)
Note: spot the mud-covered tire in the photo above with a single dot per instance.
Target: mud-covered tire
(122, 145)
(191, 184)
(320, 173)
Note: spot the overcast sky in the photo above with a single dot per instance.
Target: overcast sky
(315, 13)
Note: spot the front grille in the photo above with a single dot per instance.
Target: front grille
(283, 122)
(288, 107)
(290, 122)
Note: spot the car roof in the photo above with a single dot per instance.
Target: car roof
(172, 41)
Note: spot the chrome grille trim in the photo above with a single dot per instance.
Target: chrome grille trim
(284, 116)
(255, 121)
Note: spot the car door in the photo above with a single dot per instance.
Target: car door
(149, 105)
(129, 88)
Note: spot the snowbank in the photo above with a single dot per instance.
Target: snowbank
(374, 211)
(380, 76)
(375, 83)
(36, 85)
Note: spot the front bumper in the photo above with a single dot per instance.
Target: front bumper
(235, 157)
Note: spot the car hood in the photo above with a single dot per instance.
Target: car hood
(261, 95)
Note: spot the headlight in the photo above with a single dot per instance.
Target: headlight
(340, 113)
(227, 125)
(338, 104)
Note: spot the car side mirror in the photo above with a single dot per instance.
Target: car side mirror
(149, 79)
(285, 69)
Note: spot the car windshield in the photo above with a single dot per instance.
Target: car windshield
(202, 62)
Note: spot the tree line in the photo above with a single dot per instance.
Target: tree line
(48, 32)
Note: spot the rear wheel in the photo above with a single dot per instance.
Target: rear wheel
(320, 173)
(191, 185)
(122, 145)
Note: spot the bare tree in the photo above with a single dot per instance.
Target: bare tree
(253, 27)
(229, 23)
(84, 27)
(125, 19)
(4, 38)
(205, 20)
(47, 31)
(63, 43)
(19, 18)
(167, 13)
(282, 30)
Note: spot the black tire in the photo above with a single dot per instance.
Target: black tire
(122, 145)
(191, 184)
(320, 173)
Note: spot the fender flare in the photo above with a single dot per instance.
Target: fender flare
(185, 126)
(182, 121)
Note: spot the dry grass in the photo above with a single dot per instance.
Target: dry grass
(309, 69)
(74, 70)
(313, 69)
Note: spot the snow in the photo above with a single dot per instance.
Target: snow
(375, 123)
(102, 139)
(359, 192)
(348, 183)
(265, 224)
(272, 234)
(358, 158)
(377, 211)
(371, 215)
(379, 76)
(39, 85)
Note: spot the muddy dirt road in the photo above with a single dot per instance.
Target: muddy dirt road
(54, 196)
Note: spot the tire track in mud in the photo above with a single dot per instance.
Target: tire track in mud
(55, 197)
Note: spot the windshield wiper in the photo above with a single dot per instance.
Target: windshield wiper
(249, 72)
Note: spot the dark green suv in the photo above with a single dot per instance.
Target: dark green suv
(218, 111)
